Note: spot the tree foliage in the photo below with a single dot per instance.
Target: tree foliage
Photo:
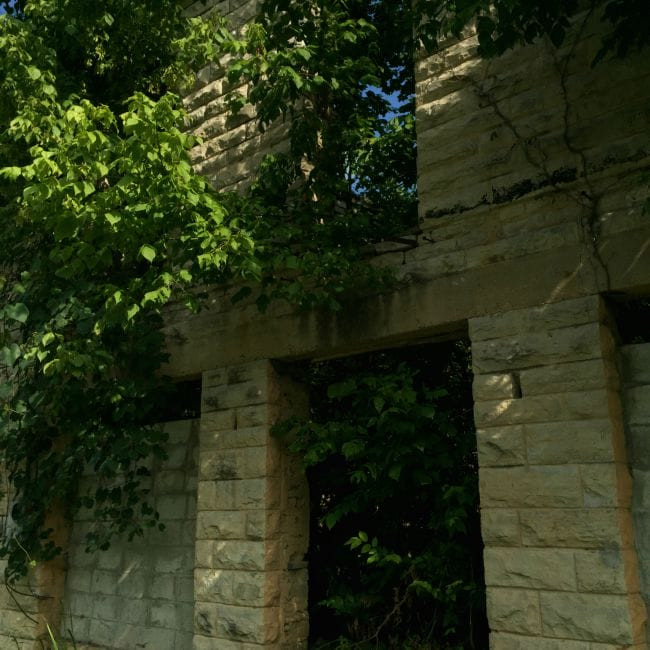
(103, 223)
(390, 453)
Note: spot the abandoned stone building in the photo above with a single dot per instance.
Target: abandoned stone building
(533, 172)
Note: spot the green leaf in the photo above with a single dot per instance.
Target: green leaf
(18, 311)
(33, 72)
(148, 252)
(9, 354)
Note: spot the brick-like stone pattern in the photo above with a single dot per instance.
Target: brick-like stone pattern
(560, 560)
(635, 373)
(140, 594)
(252, 515)
(232, 145)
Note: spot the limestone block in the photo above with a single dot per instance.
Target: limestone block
(551, 316)
(244, 588)
(247, 393)
(521, 487)
(501, 446)
(606, 485)
(201, 642)
(257, 625)
(577, 343)
(543, 408)
(247, 494)
(603, 570)
(574, 528)
(637, 405)
(577, 375)
(493, 386)
(530, 568)
(500, 527)
(246, 555)
(635, 363)
(251, 416)
(164, 615)
(513, 610)
(593, 617)
(501, 641)
(577, 441)
(218, 420)
(132, 610)
(235, 438)
(244, 463)
(220, 525)
(638, 440)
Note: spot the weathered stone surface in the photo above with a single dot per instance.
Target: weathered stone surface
(514, 610)
(543, 408)
(501, 641)
(553, 486)
(494, 386)
(577, 441)
(530, 349)
(592, 617)
(563, 377)
(604, 571)
(548, 317)
(530, 568)
(573, 528)
(500, 527)
(501, 446)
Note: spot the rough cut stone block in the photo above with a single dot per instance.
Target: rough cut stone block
(248, 393)
(538, 348)
(606, 485)
(543, 408)
(243, 463)
(577, 441)
(522, 487)
(501, 641)
(233, 438)
(637, 405)
(635, 363)
(602, 571)
(501, 446)
(592, 617)
(551, 316)
(500, 527)
(220, 525)
(563, 377)
(573, 528)
(244, 588)
(513, 610)
(530, 568)
(494, 386)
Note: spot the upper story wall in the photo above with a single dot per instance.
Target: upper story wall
(533, 172)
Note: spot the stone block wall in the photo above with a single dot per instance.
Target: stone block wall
(252, 515)
(635, 371)
(560, 561)
(233, 146)
(140, 594)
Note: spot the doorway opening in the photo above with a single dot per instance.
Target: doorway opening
(395, 555)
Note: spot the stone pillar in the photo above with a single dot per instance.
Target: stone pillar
(560, 564)
(252, 515)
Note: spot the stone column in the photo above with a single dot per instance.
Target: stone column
(252, 515)
(560, 564)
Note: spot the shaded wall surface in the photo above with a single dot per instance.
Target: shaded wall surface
(635, 372)
(140, 594)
